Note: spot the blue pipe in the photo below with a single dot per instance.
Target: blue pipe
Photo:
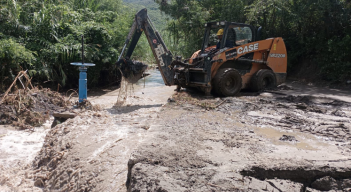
(83, 88)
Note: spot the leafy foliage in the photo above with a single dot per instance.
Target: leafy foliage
(157, 17)
(315, 32)
(45, 37)
(11, 55)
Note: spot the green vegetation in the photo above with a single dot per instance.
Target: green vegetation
(158, 18)
(12, 53)
(316, 32)
(45, 37)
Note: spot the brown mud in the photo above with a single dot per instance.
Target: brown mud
(91, 151)
(294, 138)
(30, 108)
(268, 142)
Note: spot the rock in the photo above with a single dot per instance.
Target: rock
(284, 87)
(301, 106)
(346, 184)
(308, 189)
(170, 100)
(39, 183)
(62, 117)
(317, 109)
(285, 185)
(288, 138)
(325, 184)
(338, 113)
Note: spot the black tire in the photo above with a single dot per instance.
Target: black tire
(263, 79)
(227, 82)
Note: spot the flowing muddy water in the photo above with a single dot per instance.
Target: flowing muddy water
(94, 144)
(267, 142)
(152, 80)
(150, 89)
(91, 151)
(18, 149)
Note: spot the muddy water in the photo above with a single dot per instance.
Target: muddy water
(18, 149)
(303, 140)
(98, 145)
(152, 80)
(318, 130)
(107, 136)
(244, 133)
(151, 89)
(104, 140)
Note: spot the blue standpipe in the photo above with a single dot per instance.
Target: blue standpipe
(83, 68)
(83, 87)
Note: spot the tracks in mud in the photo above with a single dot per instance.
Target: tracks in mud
(333, 178)
(233, 146)
(238, 146)
(91, 151)
(319, 116)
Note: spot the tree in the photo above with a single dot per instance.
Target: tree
(50, 31)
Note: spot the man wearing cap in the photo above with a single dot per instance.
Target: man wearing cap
(220, 36)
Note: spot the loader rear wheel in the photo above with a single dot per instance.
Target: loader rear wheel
(263, 79)
(227, 82)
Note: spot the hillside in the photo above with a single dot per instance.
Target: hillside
(155, 14)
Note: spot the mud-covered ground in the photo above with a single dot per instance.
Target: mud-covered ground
(269, 142)
(296, 138)
(89, 152)
(30, 108)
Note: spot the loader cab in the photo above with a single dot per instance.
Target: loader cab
(237, 33)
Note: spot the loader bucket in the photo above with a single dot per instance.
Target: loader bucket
(132, 71)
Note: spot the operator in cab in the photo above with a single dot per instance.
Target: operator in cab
(220, 36)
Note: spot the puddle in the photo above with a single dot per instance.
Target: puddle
(304, 140)
(152, 80)
(263, 115)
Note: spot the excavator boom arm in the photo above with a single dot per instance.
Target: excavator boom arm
(163, 56)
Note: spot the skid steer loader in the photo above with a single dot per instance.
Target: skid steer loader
(252, 63)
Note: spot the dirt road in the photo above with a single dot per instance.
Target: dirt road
(291, 141)
(244, 141)
(91, 151)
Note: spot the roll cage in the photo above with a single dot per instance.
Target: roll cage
(228, 33)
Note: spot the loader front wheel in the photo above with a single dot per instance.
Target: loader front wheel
(227, 82)
(263, 79)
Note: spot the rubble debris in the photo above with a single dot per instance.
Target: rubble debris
(320, 116)
(183, 146)
(87, 105)
(62, 117)
(316, 177)
(18, 77)
(325, 184)
(26, 108)
(284, 87)
(288, 138)
(184, 98)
